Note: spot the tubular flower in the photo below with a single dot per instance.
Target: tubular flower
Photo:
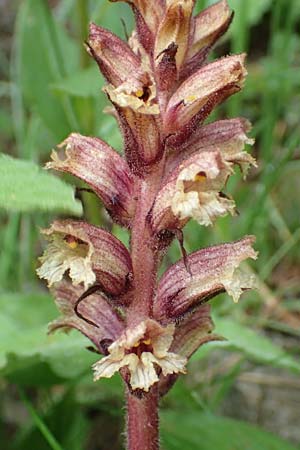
(227, 136)
(96, 163)
(194, 191)
(173, 168)
(211, 271)
(89, 253)
(141, 349)
(203, 90)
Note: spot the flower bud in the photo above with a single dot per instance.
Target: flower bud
(108, 174)
(207, 27)
(174, 29)
(95, 308)
(211, 271)
(88, 254)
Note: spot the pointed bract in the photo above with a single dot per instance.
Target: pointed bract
(207, 27)
(95, 308)
(114, 57)
(193, 331)
(96, 163)
(211, 271)
(88, 253)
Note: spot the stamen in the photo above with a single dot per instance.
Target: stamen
(139, 93)
(71, 241)
(190, 99)
(200, 176)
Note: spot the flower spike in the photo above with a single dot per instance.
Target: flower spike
(173, 168)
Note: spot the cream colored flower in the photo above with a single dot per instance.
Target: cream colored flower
(197, 192)
(141, 349)
(64, 253)
(133, 96)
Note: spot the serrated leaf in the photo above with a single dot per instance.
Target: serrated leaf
(86, 83)
(24, 343)
(251, 343)
(190, 430)
(26, 187)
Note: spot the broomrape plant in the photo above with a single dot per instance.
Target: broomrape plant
(174, 168)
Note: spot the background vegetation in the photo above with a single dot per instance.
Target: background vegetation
(50, 87)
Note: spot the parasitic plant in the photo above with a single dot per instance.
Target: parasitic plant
(174, 168)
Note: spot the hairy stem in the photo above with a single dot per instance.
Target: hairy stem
(144, 260)
(142, 413)
(142, 421)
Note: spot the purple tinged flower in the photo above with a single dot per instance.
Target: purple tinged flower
(193, 190)
(107, 173)
(206, 28)
(227, 136)
(174, 29)
(88, 253)
(131, 83)
(141, 349)
(203, 90)
(211, 271)
(114, 57)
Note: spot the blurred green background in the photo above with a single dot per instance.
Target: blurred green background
(243, 393)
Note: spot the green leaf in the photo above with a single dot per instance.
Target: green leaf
(25, 346)
(25, 187)
(190, 430)
(40, 60)
(86, 83)
(252, 343)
